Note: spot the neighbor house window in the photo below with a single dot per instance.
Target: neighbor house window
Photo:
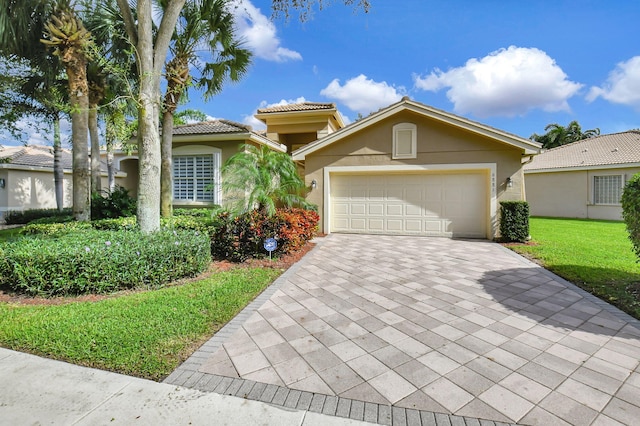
(404, 141)
(195, 178)
(607, 189)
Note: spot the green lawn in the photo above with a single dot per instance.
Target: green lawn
(145, 334)
(9, 234)
(593, 254)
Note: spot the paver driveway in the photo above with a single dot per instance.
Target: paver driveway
(429, 325)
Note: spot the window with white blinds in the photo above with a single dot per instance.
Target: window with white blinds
(195, 178)
(607, 189)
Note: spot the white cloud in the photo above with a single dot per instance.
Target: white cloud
(259, 125)
(622, 85)
(259, 34)
(506, 82)
(363, 95)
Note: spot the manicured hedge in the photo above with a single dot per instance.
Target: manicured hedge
(14, 217)
(101, 261)
(514, 221)
(631, 211)
(242, 237)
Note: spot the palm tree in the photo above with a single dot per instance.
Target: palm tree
(557, 135)
(202, 24)
(40, 92)
(66, 34)
(263, 179)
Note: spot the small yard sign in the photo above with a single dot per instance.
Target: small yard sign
(270, 244)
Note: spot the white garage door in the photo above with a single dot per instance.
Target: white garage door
(452, 204)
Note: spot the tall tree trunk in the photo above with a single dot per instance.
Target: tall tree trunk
(111, 175)
(58, 171)
(79, 99)
(150, 61)
(96, 182)
(148, 132)
(166, 173)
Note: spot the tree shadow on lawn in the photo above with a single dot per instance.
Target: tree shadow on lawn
(548, 299)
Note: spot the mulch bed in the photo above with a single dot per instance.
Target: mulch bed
(283, 263)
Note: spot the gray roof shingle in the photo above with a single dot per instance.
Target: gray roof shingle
(605, 150)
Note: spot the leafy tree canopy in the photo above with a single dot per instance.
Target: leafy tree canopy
(557, 135)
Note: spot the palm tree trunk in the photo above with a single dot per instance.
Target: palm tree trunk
(78, 95)
(58, 172)
(166, 173)
(96, 183)
(111, 176)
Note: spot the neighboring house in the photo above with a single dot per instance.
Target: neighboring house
(199, 151)
(26, 178)
(584, 179)
(412, 169)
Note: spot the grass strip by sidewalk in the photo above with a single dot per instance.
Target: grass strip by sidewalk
(596, 255)
(144, 334)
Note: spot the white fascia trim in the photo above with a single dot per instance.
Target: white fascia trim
(276, 146)
(221, 137)
(487, 167)
(583, 168)
(10, 166)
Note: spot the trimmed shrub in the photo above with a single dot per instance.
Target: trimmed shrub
(56, 228)
(101, 261)
(110, 205)
(203, 213)
(631, 211)
(14, 217)
(242, 237)
(121, 223)
(514, 221)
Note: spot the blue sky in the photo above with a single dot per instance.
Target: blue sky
(515, 65)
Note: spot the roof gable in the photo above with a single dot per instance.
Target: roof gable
(406, 104)
(600, 151)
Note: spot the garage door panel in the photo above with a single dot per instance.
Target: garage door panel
(376, 209)
(415, 204)
(376, 224)
(413, 210)
(358, 224)
(395, 225)
(358, 208)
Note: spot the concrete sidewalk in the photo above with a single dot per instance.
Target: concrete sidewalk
(37, 391)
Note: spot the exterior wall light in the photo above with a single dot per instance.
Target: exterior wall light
(509, 183)
(314, 184)
(2, 183)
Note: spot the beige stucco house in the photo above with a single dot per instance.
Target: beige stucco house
(584, 179)
(412, 169)
(406, 169)
(26, 178)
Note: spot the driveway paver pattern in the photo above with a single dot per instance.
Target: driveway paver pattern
(430, 325)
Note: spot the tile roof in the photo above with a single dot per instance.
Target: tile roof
(38, 156)
(605, 150)
(35, 156)
(304, 106)
(213, 126)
